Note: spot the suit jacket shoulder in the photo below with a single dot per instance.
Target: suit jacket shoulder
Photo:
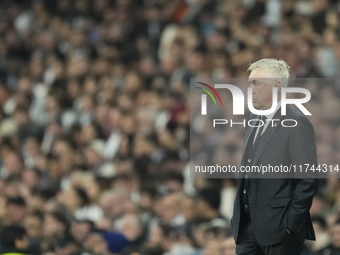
(294, 113)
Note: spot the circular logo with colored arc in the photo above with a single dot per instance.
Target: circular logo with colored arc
(209, 93)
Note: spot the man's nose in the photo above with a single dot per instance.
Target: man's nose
(252, 89)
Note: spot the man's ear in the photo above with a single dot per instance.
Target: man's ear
(277, 85)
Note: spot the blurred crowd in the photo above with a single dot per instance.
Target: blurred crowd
(94, 120)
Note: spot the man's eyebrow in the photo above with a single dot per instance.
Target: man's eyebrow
(252, 81)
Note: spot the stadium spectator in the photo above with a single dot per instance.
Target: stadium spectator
(13, 239)
(15, 210)
(95, 117)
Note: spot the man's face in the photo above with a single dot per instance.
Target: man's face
(262, 89)
(21, 244)
(336, 236)
(170, 207)
(33, 226)
(15, 213)
(80, 230)
(229, 246)
(51, 227)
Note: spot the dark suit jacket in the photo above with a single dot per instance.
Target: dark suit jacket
(280, 203)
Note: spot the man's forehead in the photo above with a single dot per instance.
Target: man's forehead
(257, 73)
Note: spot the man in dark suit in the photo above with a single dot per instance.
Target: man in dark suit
(271, 215)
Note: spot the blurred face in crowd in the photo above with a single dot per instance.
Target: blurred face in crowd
(229, 246)
(104, 224)
(54, 168)
(155, 236)
(15, 213)
(80, 230)
(90, 86)
(124, 147)
(92, 189)
(105, 203)
(188, 208)
(262, 89)
(133, 83)
(33, 226)
(69, 249)
(126, 183)
(32, 146)
(102, 112)
(166, 139)
(336, 235)
(131, 227)
(88, 133)
(52, 106)
(126, 103)
(145, 201)
(198, 234)
(142, 146)
(4, 95)
(12, 163)
(201, 206)
(170, 207)
(195, 61)
(128, 124)
(92, 157)
(36, 68)
(61, 148)
(114, 204)
(70, 198)
(73, 89)
(30, 178)
(52, 227)
(96, 244)
(214, 241)
(174, 185)
(13, 188)
(114, 117)
(35, 202)
(2, 207)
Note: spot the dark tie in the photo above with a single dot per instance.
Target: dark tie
(258, 137)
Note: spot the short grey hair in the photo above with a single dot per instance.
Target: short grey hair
(274, 68)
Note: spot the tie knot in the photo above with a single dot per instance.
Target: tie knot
(263, 118)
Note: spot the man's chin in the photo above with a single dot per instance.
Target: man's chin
(256, 106)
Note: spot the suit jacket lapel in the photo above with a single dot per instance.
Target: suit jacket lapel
(267, 135)
(246, 142)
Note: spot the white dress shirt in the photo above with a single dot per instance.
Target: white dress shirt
(269, 117)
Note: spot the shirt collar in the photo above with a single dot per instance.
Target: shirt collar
(270, 116)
